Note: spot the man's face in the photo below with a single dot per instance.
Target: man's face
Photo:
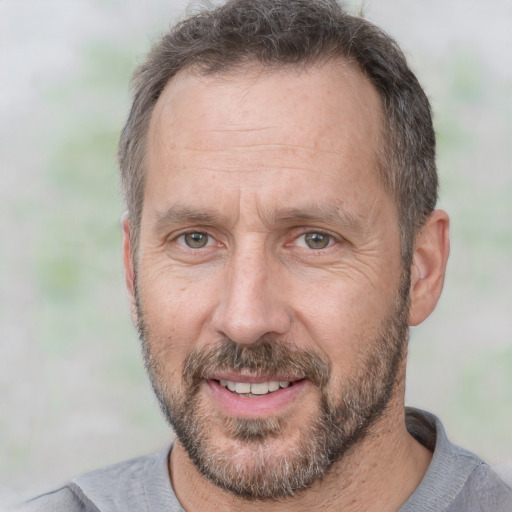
(269, 275)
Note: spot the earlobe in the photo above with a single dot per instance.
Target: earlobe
(431, 250)
(129, 271)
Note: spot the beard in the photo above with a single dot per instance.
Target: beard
(346, 409)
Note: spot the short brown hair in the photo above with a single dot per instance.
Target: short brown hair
(294, 33)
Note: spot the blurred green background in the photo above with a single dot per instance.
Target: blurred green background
(73, 393)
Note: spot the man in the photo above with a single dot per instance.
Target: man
(281, 236)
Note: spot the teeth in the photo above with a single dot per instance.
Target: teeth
(273, 386)
(242, 387)
(256, 388)
(260, 388)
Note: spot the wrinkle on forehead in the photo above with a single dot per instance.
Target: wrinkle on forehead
(267, 147)
(333, 88)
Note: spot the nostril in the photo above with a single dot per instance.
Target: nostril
(248, 311)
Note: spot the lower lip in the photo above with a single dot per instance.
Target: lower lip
(261, 406)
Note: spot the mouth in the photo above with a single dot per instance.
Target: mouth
(255, 389)
(245, 396)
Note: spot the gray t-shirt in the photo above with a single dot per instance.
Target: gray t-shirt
(456, 481)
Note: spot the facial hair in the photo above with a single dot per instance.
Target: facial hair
(347, 408)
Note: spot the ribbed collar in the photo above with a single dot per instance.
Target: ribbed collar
(449, 469)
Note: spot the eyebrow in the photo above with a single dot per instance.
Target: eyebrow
(181, 214)
(335, 215)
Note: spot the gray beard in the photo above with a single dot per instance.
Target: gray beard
(343, 418)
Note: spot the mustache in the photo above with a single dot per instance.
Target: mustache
(267, 356)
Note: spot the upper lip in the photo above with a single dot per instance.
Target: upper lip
(252, 378)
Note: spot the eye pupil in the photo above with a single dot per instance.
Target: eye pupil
(196, 240)
(317, 240)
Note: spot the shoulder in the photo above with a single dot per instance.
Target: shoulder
(65, 499)
(484, 491)
(130, 485)
(117, 478)
(504, 471)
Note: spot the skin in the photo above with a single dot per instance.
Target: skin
(266, 157)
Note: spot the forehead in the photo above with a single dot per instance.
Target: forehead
(335, 95)
(323, 121)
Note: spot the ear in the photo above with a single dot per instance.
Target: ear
(129, 271)
(431, 250)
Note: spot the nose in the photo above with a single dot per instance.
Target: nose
(252, 302)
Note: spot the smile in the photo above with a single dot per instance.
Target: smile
(255, 388)
(258, 398)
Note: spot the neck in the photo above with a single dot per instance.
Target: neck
(379, 473)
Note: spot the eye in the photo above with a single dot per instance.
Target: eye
(315, 240)
(195, 239)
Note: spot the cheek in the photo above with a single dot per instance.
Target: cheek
(342, 320)
(176, 313)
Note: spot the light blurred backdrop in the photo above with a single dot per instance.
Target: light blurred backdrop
(73, 394)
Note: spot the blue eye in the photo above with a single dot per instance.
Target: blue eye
(315, 240)
(195, 239)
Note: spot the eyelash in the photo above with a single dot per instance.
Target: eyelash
(182, 236)
(332, 240)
